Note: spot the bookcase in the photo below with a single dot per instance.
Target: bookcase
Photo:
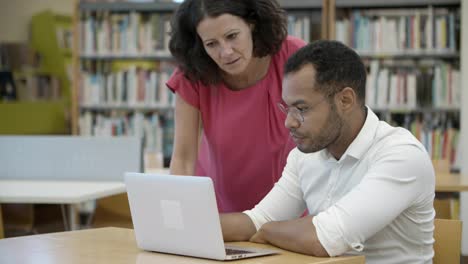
(411, 48)
(122, 63)
(41, 99)
(412, 51)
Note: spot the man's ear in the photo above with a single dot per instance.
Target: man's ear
(346, 99)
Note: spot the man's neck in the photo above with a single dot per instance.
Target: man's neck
(350, 130)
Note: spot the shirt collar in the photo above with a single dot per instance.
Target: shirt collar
(364, 139)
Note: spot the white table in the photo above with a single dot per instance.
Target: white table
(69, 193)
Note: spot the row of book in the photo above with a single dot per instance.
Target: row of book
(155, 129)
(26, 86)
(64, 37)
(133, 33)
(400, 30)
(133, 86)
(299, 26)
(412, 87)
(438, 135)
(31, 87)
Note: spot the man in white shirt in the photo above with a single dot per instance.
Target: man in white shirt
(368, 187)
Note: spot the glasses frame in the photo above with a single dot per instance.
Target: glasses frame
(295, 112)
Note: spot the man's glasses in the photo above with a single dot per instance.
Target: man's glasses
(296, 112)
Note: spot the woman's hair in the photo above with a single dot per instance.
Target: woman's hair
(270, 30)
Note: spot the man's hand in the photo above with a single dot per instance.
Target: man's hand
(297, 235)
(259, 237)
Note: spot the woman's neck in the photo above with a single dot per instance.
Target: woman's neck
(255, 71)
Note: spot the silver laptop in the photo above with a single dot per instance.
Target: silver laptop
(178, 215)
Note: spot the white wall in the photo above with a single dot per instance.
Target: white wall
(15, 16)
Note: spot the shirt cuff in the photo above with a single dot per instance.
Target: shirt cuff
(256, 222)
(330, 236)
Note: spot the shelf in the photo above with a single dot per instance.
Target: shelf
(410, 55)
(300, 4)
(158, 56)
(171, 6)
(417, 110)
(393, 3)
(106, 107)
(129, 6)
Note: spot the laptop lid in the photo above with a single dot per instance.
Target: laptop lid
(178, 215)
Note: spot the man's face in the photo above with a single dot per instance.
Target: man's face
(322, 124)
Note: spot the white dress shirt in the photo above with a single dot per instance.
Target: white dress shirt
(377, 200)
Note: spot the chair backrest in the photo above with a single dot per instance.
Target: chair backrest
(69, 157)
(447, 245)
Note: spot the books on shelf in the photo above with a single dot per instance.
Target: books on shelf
(419, 30)
(125, 63)
(150, 127)
(132, 33)
(130, 86)
(33, 87)
(299, 26)
(393, 86)
(64, 37)
(8, 91)
(437, 133)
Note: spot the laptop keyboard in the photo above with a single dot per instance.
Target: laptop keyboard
(230, 251)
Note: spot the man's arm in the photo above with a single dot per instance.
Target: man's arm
(237, 227)
(296, 235)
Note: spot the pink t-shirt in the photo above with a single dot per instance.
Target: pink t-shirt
(245, 143)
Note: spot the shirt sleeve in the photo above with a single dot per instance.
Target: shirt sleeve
(285, 201)
(398, 177)
(188, 90)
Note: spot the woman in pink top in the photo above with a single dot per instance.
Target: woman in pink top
(230, 57)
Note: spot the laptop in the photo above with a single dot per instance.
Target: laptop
(179, 215)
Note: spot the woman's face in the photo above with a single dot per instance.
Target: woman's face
(228, 41)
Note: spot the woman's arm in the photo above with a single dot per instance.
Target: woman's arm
(186, 138)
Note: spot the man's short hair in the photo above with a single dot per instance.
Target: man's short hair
(337, 66)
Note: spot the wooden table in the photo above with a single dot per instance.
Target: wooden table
(117, 245)
(68, 193)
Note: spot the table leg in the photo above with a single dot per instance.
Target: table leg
(63, 210)
(73, 216)
(2, 235)
(464, 219)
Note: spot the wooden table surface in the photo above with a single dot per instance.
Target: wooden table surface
(118, 246)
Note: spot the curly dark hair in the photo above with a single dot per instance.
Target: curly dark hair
(270, 30)
(337, 67)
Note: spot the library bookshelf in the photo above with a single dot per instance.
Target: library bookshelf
(122, 62)
(412, 50)
(39, 102)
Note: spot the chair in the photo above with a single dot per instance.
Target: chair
(447, 245)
